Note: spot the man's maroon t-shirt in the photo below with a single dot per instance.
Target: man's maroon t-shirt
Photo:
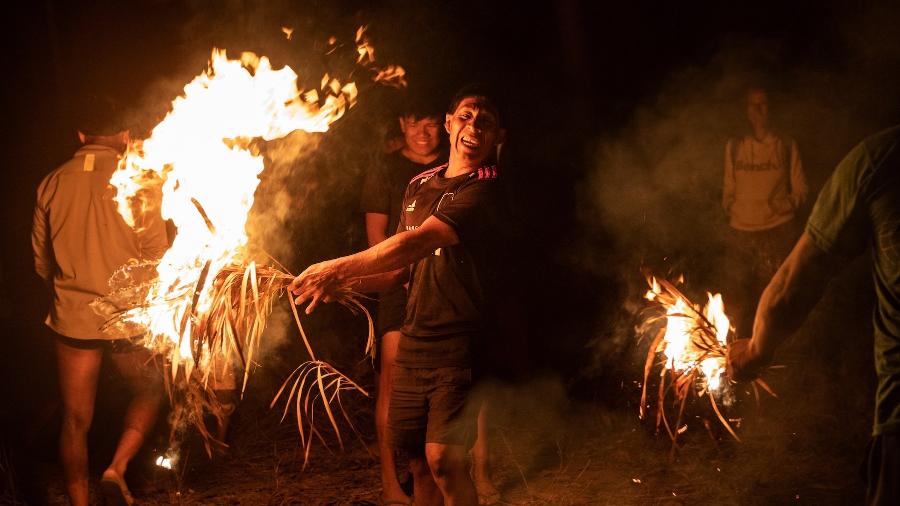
(451, 289)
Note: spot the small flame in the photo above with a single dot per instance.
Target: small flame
(164, 462)
(682, 322)
(393, 75)
(363, 47)
(288, 31)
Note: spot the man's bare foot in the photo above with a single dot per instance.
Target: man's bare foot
(487, 492)
(393, 495)
(114, 490)
(400, 500)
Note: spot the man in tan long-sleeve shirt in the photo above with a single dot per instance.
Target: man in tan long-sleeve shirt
(763, 188)
(79, 240)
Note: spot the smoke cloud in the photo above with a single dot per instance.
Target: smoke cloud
(655, 187)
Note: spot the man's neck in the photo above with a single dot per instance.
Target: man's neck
(457, 166)
(110, 141)
(417, 158)
(761, 134)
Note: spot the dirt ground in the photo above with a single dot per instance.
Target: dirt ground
(577, 455)
(557, 443)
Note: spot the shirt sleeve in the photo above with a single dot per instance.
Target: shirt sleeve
(401, 222)
(472, 210)
(728, 183)
(838, 221)
(375, 196)
(44, 263)
(152, 236)
(799, 188)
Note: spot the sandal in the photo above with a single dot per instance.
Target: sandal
(114, 491)
(387, 502)
(488, 499)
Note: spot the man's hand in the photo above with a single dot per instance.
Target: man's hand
(744, 362)
(318, 283)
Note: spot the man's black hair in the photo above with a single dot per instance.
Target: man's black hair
(100, 114)
(421, 105)
(481, 91)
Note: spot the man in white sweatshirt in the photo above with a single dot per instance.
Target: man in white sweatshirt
(763, 188)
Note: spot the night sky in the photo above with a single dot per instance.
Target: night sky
(617, 115)
(574, 76)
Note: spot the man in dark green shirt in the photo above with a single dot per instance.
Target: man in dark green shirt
(859, 207)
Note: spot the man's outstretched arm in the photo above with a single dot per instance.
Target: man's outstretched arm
(374, 267)
(791, 294)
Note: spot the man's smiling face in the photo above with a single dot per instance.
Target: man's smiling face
(422, 135)
(474, 129)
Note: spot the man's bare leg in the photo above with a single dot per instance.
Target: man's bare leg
(143, 381)
(390, 485)
(78, 371)
(481, 457)
(449, 467)
(425, 489)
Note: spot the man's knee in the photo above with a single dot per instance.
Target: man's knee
(77, 420)
(445, 461)
(143, 379)
(418, 466)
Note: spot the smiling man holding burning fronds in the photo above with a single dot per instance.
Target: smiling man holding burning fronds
(448, 250)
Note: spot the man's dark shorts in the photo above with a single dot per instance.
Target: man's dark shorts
(391, 311)
(113, 345)
(389, 317)
(883, 470)
(431, 406)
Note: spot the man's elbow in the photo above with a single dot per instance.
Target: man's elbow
(43, 272)
(398, 277)
(421, 242)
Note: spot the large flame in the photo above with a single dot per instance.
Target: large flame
(202, 154)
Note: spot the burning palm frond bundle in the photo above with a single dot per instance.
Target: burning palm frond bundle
(694, 344)
(226, 337)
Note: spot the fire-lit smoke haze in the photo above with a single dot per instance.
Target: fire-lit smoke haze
(651, 195)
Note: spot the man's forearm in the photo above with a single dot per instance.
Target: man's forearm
(320, 281)
(775, 319)
(395, 252)
(383, 282)
(790, 296)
